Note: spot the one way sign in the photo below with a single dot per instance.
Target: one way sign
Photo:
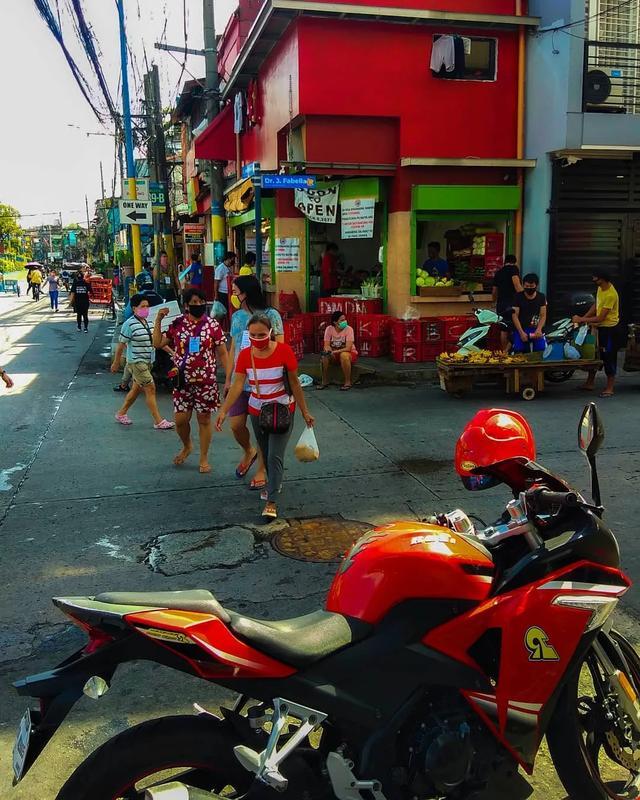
(135, 212)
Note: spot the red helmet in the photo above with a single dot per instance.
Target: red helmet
(493, 435)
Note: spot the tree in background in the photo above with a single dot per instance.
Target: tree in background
(14, 246)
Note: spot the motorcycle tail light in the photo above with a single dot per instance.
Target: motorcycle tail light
(601, 607)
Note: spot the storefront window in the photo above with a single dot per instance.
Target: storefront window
(460, 251)
(360, 260)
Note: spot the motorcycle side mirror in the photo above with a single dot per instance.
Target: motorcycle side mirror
(590, 440)
(590, 431)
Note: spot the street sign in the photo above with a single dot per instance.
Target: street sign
(193, 233)
(158, 197)
(135, 212)
(142, 189)
(288, 182)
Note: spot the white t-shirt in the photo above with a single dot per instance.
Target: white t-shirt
(221, 274)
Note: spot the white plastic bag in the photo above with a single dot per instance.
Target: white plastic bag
(307, 447)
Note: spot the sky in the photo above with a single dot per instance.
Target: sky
(47, 162)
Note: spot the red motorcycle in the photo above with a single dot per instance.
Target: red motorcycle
(443, 656)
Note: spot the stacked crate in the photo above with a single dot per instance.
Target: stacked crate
(432, 338)
(406, 344)
(293, 335)
(454, 327)
(372, 334)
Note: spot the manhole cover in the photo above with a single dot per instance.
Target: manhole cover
(318, 538)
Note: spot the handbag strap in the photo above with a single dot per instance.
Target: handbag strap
(255, 374)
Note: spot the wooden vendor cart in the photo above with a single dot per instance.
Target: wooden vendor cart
(525, 379)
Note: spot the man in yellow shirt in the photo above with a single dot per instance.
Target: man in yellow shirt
(605, 315)
(36, 282)
(249, 266)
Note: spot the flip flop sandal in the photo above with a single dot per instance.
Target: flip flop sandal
(120, 388)
(242, 469)
(255, 485)
(346, 387)
(321, 386)
(269, 513)
(606, 394)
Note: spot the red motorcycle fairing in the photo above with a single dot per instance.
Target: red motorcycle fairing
(538, 638)
(408, 560)
(180, 631)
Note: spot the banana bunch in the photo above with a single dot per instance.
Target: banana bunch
(482, 357)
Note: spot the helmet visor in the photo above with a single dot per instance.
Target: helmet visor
(477, 483)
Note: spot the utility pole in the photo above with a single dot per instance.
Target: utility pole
(86, 205)
(213, 106)
(128, 137)
(152, 154)
(163, 172)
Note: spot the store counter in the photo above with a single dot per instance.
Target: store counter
(451, 305)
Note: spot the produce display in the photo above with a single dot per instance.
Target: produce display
(424, 279)
(489, 357)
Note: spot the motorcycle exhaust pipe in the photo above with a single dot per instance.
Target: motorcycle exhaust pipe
(178, 791)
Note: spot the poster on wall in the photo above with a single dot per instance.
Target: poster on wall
(287, 255)
(250, 245)
(357, 218)
(319, 205)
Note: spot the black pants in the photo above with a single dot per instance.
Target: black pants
(609, 342)
(82, 315)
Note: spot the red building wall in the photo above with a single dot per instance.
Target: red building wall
(382, 70)
(279, 89)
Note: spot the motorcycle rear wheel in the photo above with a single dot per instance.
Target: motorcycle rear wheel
(196, 749)
(577, 737)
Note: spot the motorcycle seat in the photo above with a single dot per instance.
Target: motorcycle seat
(303, 640)
(198, 600)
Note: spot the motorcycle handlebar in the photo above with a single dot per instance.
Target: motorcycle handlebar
(545, 500)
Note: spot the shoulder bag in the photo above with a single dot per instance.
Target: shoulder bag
(274, 417)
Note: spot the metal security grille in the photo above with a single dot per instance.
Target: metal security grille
(595, 222)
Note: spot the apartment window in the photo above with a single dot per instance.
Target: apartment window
(466, 58)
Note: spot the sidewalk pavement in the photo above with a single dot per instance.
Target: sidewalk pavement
(99, 507)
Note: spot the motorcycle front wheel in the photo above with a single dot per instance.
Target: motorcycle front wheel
(196, 750)
(595, 749)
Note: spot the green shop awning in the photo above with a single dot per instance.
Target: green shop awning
(466, 198)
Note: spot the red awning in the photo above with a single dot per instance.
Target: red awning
(217, 142)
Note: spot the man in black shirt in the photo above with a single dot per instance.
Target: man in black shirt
(529, 317)
(506, 284)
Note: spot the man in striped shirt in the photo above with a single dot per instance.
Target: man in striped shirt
(136, 336)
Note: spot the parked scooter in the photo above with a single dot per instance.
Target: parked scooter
(471, 340)
(443, 656)
(571, 336)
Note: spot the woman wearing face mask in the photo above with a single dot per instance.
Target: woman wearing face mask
(339, 348)
(268, 366)
(197, 342)
(135, 335)
(247, 297)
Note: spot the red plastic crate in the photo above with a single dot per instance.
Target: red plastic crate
(319, 341)
(309, 343)
(292, 330)
(308, 323)
(367, 305)
(406, 331)
(373, 348)
(298, 349)
(454, 327)
(494, 244)
(372, 326)
(432, 330)
(429, 352)
(320, 321)
(406, 353)
(329, 305)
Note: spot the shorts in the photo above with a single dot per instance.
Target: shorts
(141, 372)
(203, 398)
(530, 346)
(335, 357)
(241, 406)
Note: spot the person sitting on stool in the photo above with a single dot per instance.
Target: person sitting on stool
(529, 317)
(339, 348)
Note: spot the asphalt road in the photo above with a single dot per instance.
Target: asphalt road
(87, 506)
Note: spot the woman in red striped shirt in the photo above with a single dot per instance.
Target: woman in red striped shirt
(265, 363)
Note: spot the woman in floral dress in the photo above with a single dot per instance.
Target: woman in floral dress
(197, 342)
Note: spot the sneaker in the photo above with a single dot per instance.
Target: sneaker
(164, 425)
(86, 330)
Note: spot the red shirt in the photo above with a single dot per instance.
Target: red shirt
(329, 271)
(270, 376)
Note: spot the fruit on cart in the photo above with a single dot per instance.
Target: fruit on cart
(481, 358)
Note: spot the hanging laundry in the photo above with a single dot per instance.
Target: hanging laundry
(467, 45)
(460, 60)
(443, 55)
(238, 113)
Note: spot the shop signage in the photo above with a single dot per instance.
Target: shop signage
(135, 212)
(319, 205)
(287, 255)
(288, 182)
(193, 232)
(357, 218)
